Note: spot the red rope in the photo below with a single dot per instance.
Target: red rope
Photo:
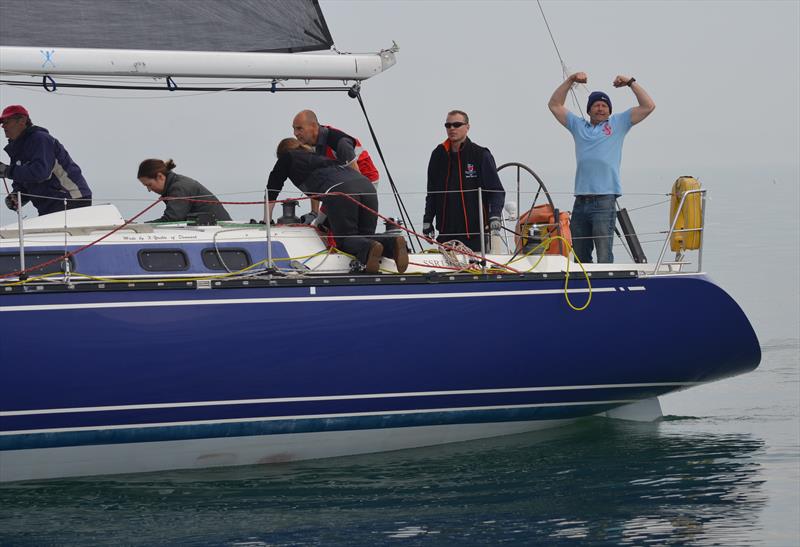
(76, 251)
(118, 228)
(429, 240)
(216, 201)
(316, 196)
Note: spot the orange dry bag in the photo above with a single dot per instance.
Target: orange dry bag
(537, 225)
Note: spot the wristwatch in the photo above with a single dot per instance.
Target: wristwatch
(630, 82)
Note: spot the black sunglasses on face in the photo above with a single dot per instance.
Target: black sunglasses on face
(10, 119)
(448, 125)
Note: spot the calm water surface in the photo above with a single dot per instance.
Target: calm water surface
(722, 468)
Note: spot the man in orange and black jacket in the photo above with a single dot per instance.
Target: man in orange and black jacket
(457, 168)
(332, 143)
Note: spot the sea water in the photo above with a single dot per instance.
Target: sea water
(721, 468)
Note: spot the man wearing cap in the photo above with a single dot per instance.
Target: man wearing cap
(598, 153)
(40, 166)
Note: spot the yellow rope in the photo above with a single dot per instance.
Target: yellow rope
(162, 280)
(545, 243)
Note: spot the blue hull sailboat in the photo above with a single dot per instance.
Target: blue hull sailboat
(234, 344)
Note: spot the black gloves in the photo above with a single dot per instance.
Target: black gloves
(11, 202)
(308, 218)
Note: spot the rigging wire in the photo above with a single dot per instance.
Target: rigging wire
(400, 205)
(564, 70)
(196, 90)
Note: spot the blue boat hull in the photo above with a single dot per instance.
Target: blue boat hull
(148, 366)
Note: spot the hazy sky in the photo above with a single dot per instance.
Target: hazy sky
(724, 76)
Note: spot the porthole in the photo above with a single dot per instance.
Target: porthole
(226, 259)
(9, 262)
(163, 260)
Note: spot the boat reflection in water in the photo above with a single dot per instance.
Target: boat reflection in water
(598, 480)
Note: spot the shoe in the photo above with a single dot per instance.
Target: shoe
(400, 254)
(374, 258)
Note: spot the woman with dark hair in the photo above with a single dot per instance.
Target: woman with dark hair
(350, 216)
(157, 176)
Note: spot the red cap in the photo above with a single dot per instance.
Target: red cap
(13, 110)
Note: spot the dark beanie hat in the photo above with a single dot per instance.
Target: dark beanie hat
(598, 96)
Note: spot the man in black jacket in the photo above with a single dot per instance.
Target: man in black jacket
(457, 168)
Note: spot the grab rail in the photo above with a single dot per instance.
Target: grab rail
(672, 230)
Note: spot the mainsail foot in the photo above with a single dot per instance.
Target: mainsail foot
(265, 39)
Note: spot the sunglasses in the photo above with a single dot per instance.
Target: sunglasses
(10, 119)
(448, 125)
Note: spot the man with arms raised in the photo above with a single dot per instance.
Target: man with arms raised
(598, 152)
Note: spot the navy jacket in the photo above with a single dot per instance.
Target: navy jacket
(42, 167)
(311, 173)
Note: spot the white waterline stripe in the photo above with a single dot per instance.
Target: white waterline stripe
(283, 300)
(310, 417)
(637, 288)
(318, 398)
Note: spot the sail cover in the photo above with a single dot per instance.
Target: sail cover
(183, 25)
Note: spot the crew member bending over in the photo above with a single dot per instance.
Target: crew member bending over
(352, 225)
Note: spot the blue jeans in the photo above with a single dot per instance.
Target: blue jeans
(592, 226)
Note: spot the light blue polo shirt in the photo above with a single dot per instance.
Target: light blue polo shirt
(598, 151)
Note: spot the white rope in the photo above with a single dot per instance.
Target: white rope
(453, 253)
(564, 70)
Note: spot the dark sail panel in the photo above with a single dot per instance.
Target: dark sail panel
(190, 25)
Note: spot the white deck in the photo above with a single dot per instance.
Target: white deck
(85, 225)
